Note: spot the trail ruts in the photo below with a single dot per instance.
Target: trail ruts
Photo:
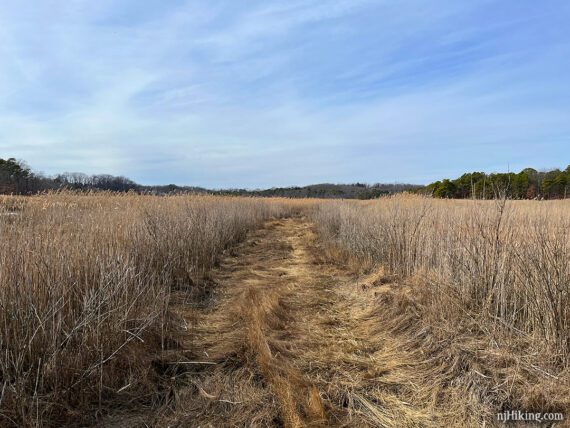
(287, 340)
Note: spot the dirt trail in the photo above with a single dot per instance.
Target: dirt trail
(288, 340)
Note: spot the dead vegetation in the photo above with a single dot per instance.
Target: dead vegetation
(482, 303)
(290, 342)
(212, 312)
(247, 336)
(85, 284)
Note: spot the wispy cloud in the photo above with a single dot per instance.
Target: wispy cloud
(284, 92)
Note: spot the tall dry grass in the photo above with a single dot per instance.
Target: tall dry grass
(85, 282)
(490, 293)
(509, 260)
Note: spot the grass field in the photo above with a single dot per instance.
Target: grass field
(482, 295)
(85, 283)
(126, 310)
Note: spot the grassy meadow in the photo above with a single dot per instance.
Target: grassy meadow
(483, 299)
(481, 294)
(85, 282)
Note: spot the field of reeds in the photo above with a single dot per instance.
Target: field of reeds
(85, 282)
(483, 294)
(445, 310)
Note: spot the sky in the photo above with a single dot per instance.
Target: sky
(268, 93)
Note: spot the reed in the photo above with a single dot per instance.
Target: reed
(481, 295)
(507, 260)
(85, 282)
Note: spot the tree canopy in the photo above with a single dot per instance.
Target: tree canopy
(11, 169)
(527, 184)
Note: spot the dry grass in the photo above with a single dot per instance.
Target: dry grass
(85, 283)
(293, 342)
(404, 311)
(485, 309)
(247, 335)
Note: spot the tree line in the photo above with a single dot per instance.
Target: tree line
(527, 184)
(328, 191)
(16, 177)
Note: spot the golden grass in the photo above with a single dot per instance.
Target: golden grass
(292, 341)
(253, 382)
(85, 283)
(483, 302)
(404, 311)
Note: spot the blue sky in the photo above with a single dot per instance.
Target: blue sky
(271, 93)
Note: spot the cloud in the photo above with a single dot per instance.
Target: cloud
(276, 93)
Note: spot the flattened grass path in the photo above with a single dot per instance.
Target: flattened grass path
(290, 340)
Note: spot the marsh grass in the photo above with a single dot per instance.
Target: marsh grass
(474, 295)
(85, 282)
(486, 302)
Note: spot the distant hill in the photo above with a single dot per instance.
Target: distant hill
(17, 178)
(328, 191)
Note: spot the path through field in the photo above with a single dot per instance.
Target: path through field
(288, 340)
